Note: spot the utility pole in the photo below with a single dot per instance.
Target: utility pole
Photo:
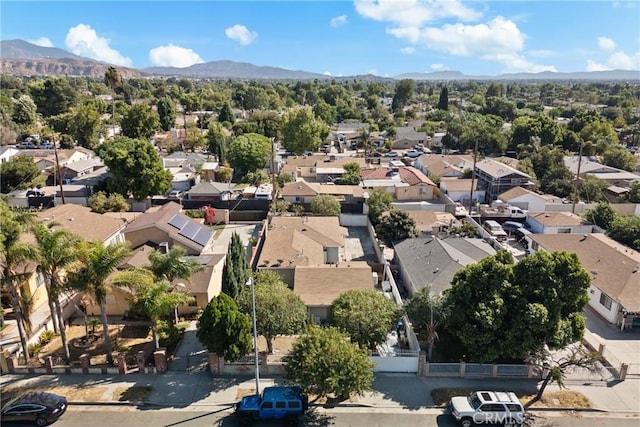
(55, 152)
(473, 174)
(273, 175)
(575, 183)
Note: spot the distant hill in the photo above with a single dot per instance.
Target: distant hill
(237, 70)
(19, 57)
(20, 49)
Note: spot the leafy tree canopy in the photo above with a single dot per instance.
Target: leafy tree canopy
(352, 313)
(140, 122)
(135, 167)
(379, 202)
(19, 173)
(279, 311)
(323, 361)
(302, 131)
(504, 311)
(249, 152)
(224, 329)
(396, 226)
(325, 205)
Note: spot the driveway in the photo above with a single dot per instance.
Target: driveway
(244, 230)
(620, 346)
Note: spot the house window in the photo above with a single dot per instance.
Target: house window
(298, 199)
(606, 300)
(39, 280)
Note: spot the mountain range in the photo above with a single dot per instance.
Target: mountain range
(19, 57)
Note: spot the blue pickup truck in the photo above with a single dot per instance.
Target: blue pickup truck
(275, 403)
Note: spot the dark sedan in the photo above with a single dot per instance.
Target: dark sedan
(36, 406)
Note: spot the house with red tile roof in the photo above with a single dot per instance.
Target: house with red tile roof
(404, 183)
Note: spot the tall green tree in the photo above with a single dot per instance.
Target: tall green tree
(55, 252)
(504, 311)
(13, 254)
(325, 205)
(601, 215)
(226, 114)
(166, 113)
(83, 125)
(24, 111)
(379, 202)
(19, 173)
(217, 140)
(91, 274)
(443, 101)
(140, 122)
(405, 89)
(155, 299)
(425, 313)
(302, 131)
(135, 167)
(279, 311)
(235, 271)
(323, 361)
(396, 226)
(351, 313)
(626, 230)
(224, 329)
(249, 152)
(619, 157)
(53, 96)
(113, 79)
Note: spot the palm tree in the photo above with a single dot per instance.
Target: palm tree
(55, 251)
(13, 255)
(154, 299)
(365, 140)
(96, 262)
(113, 79)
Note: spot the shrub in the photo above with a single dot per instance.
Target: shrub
(168, 333)
(34, 349)
(46, 337)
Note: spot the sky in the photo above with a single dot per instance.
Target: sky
(340, 37)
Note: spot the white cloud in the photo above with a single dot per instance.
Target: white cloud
(594, 66)
(84, 41)
(408, 50)
(327, 73)
(605, 43)
(42, 41)
(498, 40)
(241, 34)
(414, 12)
(439, 67)
(173, 56)
(338, 21)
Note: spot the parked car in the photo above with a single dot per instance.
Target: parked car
(37, 406)
(413, 154)
(176, 194)
(392, 154)
(511, 226)
(35, 192)
(487, 407)
(275, 403)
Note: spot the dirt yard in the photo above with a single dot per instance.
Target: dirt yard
(127, 339)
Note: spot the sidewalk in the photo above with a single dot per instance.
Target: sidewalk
(392, 393)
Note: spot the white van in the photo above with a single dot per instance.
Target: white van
(495, 230)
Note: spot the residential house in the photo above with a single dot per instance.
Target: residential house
(319, 168)
(7, 152)
(404, 183)
(432, 262)
(183, 167)
(305, 192)
(208, 171)
(210, 191)
(290, 242)
(319, 285)
(80, 168)
(433, 223)
(444, 166)
(408, 137)
(527, 199)
(559, 223)
(166, 226)
(496, 177)
(459, 190)
(615, 272)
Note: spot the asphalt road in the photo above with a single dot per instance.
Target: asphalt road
(132, 417)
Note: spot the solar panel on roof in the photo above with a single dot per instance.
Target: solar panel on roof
(189, 230)
(178, 221)
(203, 236)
